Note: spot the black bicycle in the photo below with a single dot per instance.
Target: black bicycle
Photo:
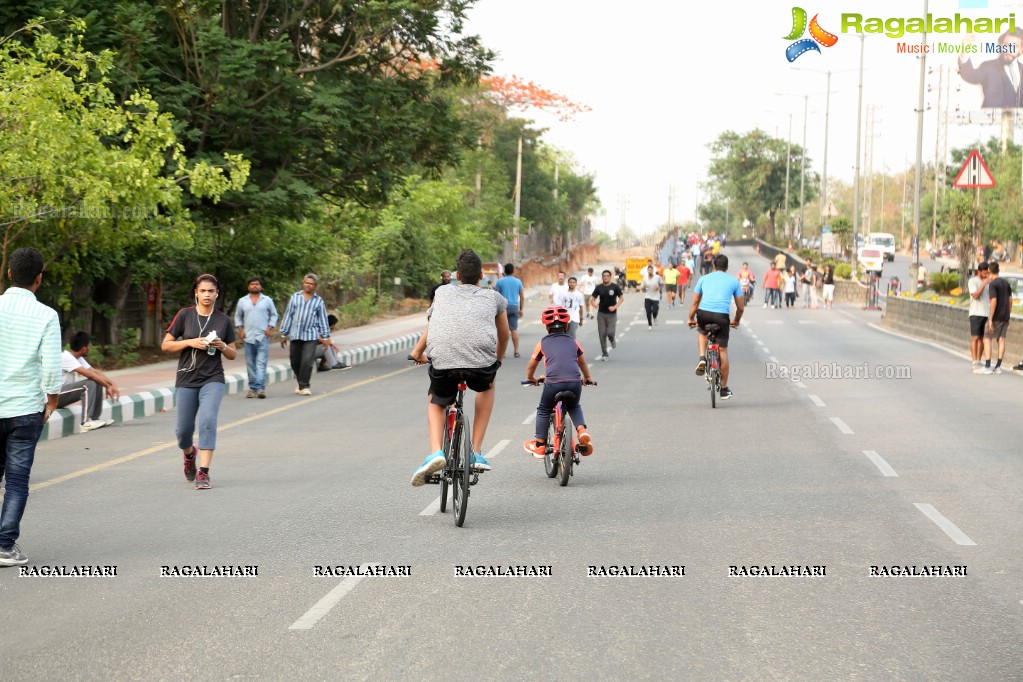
(458, 473)
(562, 452)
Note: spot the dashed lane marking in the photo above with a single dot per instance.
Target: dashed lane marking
(842, 426)
(324, 606)
(816, 401)
(951, 530)
(434, 506)
(879, 462)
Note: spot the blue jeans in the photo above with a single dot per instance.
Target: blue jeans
(256, 356)
(202, 402)
(18, 438)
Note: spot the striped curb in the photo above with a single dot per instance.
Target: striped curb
(66, 420)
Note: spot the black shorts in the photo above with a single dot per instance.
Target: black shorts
(444, 382)
(671, 287)
(705, 317)
(977, 324)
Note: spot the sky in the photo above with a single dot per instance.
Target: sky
(664, 79)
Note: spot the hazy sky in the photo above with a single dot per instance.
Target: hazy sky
(666, 78)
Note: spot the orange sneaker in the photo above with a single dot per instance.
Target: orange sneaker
(535, 448)
(585, 446)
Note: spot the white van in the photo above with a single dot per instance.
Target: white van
(884, 241)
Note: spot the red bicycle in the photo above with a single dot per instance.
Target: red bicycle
(562, 452)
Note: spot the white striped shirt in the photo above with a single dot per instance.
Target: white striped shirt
(29, 353)
(305, 320)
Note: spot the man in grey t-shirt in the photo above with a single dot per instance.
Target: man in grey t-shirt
(467, 330)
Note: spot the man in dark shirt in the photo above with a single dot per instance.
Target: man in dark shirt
(445, 278)
(998, 320)
(609, 298)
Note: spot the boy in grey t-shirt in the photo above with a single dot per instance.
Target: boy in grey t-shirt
(467, 330)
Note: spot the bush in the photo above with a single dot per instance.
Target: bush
(120, 355)
(944, 282)
(843, 270)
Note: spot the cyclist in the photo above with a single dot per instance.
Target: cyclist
(467, 331)
(747, 280)
(712, 301)
(562, 360)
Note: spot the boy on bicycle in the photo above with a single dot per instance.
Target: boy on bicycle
(467, 332)
(563, 361)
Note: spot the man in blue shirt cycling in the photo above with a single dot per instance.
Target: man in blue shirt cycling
(712, 301)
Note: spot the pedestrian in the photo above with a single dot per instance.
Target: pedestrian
(201, 334)
(979, 310)
(514, 292)
(772, 286)
(671, 274)
(652, 285)
(586, 286)
(791, 283)
(1000, 311)
(445, 278)
(467, 333)
(816, 292)
(828, 285)
(806, 279)
(29, 388)
(574, 302)
(305, 323)
(84, 382)
(685, 273)
(558, 287)
(255, 316)
(609, 297)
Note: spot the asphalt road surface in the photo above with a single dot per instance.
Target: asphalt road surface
(915, 466)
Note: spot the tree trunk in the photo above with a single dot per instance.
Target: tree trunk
(114, 293)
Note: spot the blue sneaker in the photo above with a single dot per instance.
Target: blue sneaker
(479, 462)
(431, 465)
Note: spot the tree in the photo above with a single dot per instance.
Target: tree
(748, 172)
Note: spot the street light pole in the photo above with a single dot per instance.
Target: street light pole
(856, 191)
(802, 169)
(918, 181)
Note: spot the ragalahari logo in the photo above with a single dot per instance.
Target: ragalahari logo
(818, 35)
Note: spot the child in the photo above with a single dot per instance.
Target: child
(563, 360)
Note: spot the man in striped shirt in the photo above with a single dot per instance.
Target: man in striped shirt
(305, 324)
(29, 388)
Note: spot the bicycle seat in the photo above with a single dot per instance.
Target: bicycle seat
(566, 397)
(711, 328)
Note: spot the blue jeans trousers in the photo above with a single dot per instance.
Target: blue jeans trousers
(256, 356)
(18, 438)
(204, 404)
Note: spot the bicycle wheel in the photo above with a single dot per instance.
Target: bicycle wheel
(550, 458)
(446, 448)
(462, 470)
(715, 380)
(566, 448)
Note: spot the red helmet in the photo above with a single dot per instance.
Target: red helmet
(555, 313)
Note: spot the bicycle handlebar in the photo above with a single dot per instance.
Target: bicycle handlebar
(540, 380)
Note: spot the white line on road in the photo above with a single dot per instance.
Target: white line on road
(760, 342)
(773, 359)
(807, 321)
(676, 322)
(879, 462)
(323, 607)
(842, 426)
(775, 322)
(801, 385)
(766, 349)
(531, 419)
(816, 401)
(951, 530)
(434, 506)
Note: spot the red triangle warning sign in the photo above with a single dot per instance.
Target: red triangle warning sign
(974, 173)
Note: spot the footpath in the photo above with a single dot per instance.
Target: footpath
(149, 389)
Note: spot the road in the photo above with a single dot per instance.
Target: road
(843, 474)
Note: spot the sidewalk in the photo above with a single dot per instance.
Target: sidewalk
(149, 389)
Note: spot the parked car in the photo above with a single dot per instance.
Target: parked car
(884, 241)
(872, 259)
(1016, 284)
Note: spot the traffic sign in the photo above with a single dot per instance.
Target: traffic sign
(974, 173)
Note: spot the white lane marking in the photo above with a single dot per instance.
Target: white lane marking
(760, 342)
(434, 506)
(531, 419)
(879, 462)
(801, 385)
(951, 530)
(775, 321)
(323, 607)
(807, 321)
(774, 359)
(676, 322)
(842, 426)
(816, 401)
(938, 346)
(766, 349)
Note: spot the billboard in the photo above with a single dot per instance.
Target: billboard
(995, 69)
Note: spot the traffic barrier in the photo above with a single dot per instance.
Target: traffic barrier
(872, 287)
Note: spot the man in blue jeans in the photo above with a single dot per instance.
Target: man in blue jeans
(256, 316)
(29, 388)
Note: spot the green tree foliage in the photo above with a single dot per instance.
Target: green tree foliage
(748, 172)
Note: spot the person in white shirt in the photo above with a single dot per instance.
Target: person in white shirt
(84, 382)
(651, 286)
(558, 287)
(574, 302)
(586, 286)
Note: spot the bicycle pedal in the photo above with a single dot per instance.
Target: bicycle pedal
(433, 479)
